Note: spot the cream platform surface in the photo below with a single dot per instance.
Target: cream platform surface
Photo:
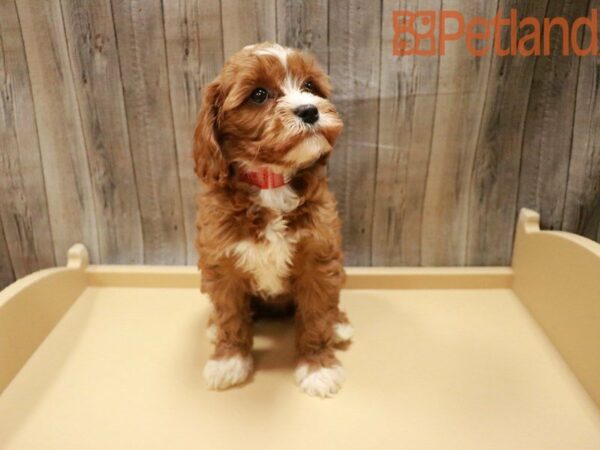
(107, 357)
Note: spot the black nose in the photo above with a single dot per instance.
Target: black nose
(308, 113)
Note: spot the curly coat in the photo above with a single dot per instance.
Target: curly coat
(253, 251)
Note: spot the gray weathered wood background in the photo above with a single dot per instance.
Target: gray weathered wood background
(99, 97)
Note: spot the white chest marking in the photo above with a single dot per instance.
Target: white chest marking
(282, 199)
(268, 260)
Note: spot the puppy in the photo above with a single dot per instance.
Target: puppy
(268, 229)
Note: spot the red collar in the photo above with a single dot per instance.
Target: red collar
(262, 178)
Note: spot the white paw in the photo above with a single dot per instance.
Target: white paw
(320, 382)
(211, 332)
(223, 373)
(342, 332)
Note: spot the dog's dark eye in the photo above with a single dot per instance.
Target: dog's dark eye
(259, 95)
(308, 86)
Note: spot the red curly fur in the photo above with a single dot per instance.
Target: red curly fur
(234, 134)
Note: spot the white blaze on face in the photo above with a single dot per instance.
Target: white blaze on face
(315, 145)
(292, 87)
(293, 97)
(275, 50)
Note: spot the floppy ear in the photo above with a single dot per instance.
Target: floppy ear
(210, 166)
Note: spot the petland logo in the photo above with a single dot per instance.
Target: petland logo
(427, 33)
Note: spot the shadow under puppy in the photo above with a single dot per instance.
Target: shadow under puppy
(268, 228)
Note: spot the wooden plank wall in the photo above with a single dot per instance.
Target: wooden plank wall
(98, 103)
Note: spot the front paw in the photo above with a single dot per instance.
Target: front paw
(320, 381)
(226, 372)
(342, 332)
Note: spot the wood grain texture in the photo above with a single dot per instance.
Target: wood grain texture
(23, 203)
(354, 69)
(247, 22)
(64, 157)
(406, 119)
(493, 196)
(99, 102)
(582, 204)
(461, 93)
(304, 25)
(7, 274)
(97, 80)
(142, 55)
(549, 125)
(195, 55)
